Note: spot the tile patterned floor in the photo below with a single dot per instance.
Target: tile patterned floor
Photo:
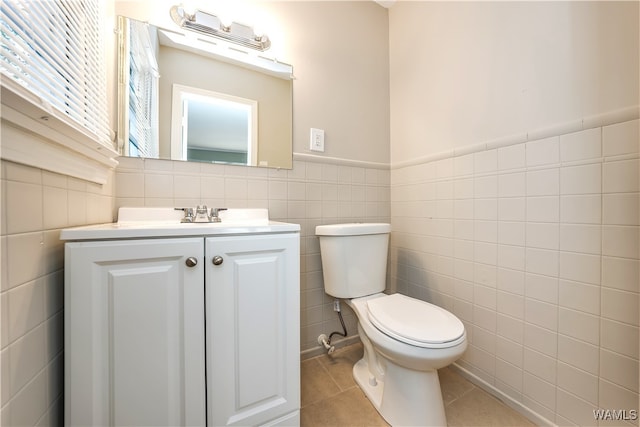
(330, 397)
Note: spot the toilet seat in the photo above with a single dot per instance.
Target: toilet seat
(415, 322)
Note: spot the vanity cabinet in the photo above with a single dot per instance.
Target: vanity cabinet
(176, 331)
(253, 344)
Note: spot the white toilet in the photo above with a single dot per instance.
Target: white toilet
(405, 340)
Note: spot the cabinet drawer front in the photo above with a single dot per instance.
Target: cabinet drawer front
(134, 320)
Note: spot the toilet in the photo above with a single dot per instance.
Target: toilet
(405, 340)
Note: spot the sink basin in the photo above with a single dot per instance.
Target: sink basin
(165, 222)
(142, 217)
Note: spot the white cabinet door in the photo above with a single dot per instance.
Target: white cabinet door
(253, 329)
(134, 333)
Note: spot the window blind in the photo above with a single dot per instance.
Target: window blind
(54, 50)
(143, 92)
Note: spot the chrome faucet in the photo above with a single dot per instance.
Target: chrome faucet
(214, 217)
(202, 214)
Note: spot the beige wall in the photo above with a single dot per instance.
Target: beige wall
(515, 192)
(36, 205)
(339, 52)
(470, 72)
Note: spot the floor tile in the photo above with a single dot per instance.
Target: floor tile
(330, 396)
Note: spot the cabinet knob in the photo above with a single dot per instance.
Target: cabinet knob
(217, 260)
(191, 261)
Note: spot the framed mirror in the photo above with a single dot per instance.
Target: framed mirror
(187, 97)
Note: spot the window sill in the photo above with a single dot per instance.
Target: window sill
(37, 136)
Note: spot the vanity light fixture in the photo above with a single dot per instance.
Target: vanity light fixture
(212, 25)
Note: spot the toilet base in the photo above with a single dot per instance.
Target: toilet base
(405, 397)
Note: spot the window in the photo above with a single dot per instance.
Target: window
(52, 66)
(143, 92)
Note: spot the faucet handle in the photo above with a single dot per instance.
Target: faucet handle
(214, 217)
(188, 214)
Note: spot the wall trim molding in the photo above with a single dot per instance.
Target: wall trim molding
(317, 351)
(35, 135)
(503, 397)
(306, 157)
(589, 122)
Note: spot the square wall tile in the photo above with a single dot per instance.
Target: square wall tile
(544, 182)
(619, 337)
(579, 296)
(26, 358)
(621, 273)
(621, 209)
(581, 209)
(512, 157)
(620, 305)
(539, 390)
(24, 207)
(463, 165)
(542, 235)
(574, 408)
(621, 241)
(582, 238)
(540, 339)
(621, 138)
(485, 161)
(512, 209)
(540, 365)
(543, 152)
(620, 176)
(485, 186)
(158, 186)
(579, 354)
(541, 261)
(512, 184)
(510, 304)
(584, 179)
(510, 328)
(579, 325)
(509, 374)
(511, 233)
(613, 396)
(541, 314)
(543, 209)
(580, 267)
(619, 369)
(511, 281)
(55, 204)
(586, 144)
(26, 308)
(543, 288)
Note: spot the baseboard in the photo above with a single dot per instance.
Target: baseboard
(504, 398)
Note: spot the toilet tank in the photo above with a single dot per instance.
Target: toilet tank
(354, 258)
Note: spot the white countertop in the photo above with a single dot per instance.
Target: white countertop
(157, 227)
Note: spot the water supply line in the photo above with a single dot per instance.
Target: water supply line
(326, 342)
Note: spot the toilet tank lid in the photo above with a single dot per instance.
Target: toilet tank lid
(353, 229)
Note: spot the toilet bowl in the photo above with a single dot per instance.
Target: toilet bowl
(405, 340)
(401, 378)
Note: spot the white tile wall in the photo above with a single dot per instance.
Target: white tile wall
(545, 265)
(310, 194)
(36, 204)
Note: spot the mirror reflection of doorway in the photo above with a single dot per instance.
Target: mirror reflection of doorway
(213, 127)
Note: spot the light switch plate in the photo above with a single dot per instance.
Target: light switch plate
(316, 142)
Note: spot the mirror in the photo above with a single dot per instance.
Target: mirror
(185, 97)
